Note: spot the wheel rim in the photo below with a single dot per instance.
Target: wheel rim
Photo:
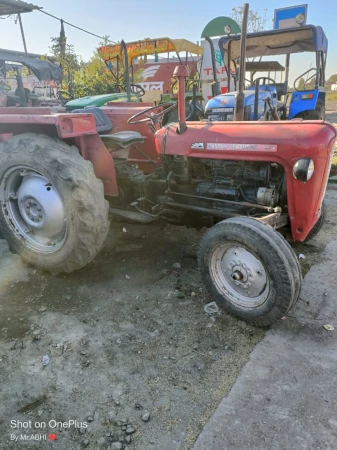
(239, 275)
(33, 209)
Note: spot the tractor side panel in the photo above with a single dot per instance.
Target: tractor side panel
(281, 142)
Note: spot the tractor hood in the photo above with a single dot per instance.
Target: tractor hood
(226, 101)
(99, 100)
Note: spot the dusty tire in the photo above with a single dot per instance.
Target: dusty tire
(318, 225)
(253, 253)
(316, 114)
(67, 228)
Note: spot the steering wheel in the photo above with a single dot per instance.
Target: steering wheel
(60, 95)
(137, 89)
(254, 83)
(154, 118)
(4, 86)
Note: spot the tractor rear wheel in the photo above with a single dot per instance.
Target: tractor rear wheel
(53, 212)
(315, 114)
(251, 269)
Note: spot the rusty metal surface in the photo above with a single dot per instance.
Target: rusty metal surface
(276, 220)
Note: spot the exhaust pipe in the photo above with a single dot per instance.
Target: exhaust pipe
(240, 96)
(181, 73)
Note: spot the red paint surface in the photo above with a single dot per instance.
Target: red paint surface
(294, 140)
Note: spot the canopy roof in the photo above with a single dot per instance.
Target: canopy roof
(149, 47)
(8, 7)
(264, 66)
(278, 42)
(43, 70)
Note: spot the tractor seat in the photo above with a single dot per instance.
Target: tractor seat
(281, 89)
(103, 123)
(122, 139)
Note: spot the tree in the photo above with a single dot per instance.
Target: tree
(93, 78)
(65, 56)
(81, 78)
(256, 21)
(333, 78)
(301, 84)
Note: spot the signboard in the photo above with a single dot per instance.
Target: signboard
(291, 17)
(159, 76)
(206, 73)
(215, 29)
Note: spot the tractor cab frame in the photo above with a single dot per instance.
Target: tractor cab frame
(307, 102)
(42, 69)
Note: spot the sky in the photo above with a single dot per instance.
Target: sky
(136, 19)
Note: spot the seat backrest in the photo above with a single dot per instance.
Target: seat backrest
(152, 97)
(281, 89)
(103, 123)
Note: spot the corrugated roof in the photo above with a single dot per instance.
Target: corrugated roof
(8, 7)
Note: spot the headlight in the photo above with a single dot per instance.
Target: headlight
(303, 169)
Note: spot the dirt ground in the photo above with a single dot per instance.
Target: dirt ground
(125, 336)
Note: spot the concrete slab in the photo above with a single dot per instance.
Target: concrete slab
(285, 397)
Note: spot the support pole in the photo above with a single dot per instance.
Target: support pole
(240, 97)
(126, 69)
(23, 36)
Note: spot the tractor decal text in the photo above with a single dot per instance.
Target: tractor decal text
(249, 147)
(199, 145)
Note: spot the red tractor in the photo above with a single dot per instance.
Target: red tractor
(242, 180)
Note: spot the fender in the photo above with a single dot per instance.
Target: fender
(304, 101)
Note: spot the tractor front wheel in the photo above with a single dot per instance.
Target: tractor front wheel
(250, 269)
(53, 212)
(318, 225)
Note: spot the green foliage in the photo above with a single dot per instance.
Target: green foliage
(331, 95)
(93, 78)
(300, 84)
(86, 78)
(333, 78)
(65, 56)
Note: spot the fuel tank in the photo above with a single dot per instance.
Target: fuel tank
(283, 142)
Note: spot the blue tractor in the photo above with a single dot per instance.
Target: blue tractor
(266, 98)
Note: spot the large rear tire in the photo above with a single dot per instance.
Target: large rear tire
(250, 269)
(53, 212)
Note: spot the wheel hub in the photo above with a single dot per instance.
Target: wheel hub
(240, 275)
(32, 211)
(40, 205)
(33, 208)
